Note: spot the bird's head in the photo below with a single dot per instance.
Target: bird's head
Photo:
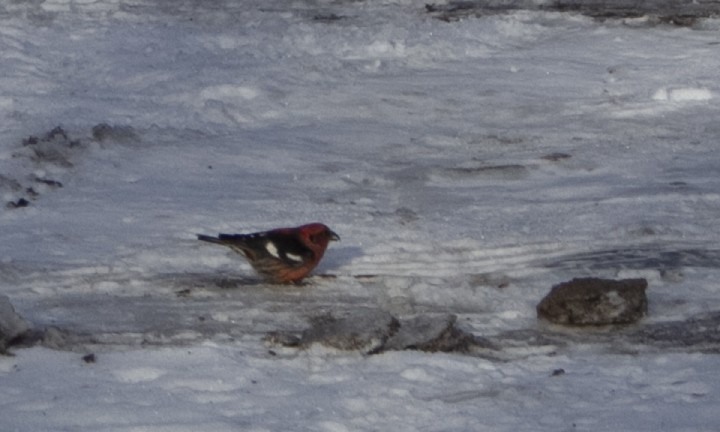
(318, 234)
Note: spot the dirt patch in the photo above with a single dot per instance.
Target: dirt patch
(651, 12)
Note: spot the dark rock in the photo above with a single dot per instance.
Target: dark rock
(12, 325)
(592, 301)
(20, 203)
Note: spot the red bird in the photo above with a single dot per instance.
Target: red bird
(282, 255)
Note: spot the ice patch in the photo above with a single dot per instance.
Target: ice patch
(229, 93)
(6, 103)
(203, 385)
(386, 48)
(7, 365)
(682, 94)
(332, 426)
(417, 374)
(56, 6)
(138, 375)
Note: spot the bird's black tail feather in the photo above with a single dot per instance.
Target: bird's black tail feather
(209, 239)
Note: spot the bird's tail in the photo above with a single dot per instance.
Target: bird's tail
(209, 239)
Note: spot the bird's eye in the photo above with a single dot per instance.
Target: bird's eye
(314, 238)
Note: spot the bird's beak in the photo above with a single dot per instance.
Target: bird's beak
(333, 236)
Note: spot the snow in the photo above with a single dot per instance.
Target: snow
(221, 388)
(468, 166)
(686, 94)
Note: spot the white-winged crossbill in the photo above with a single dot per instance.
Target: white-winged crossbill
(282, 255)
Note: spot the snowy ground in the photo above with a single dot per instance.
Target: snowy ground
(467, 165)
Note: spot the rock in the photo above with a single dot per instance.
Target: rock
(373, 331)
(365, 331)
(12, 325)
(20, 203)
(592, 301)
(430, 333)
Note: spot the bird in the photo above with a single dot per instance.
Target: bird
(281, 255)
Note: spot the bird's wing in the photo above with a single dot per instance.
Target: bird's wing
(270, 246)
